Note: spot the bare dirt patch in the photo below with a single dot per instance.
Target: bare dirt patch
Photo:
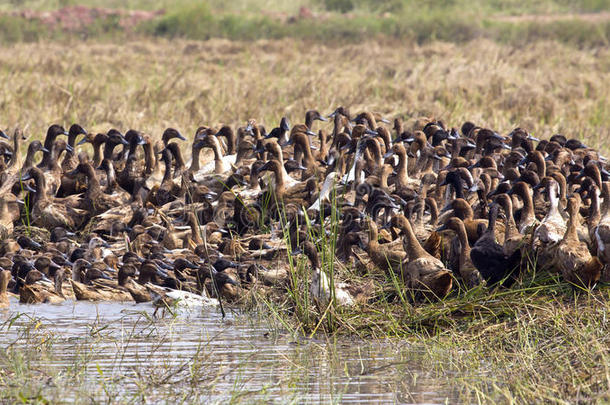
(74, 18)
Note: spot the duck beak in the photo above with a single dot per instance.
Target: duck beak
(26, 176)
(82, 141)
(179, 136)
(124, 141)
(284, 125)
(310, 132)
(332, 114)
(442, 228)
(320, 118)
(3, 135)
(65, 133)
(29, 188)
(370, 132)
(532, 138)
(191, 265)
(409, 140)
(296, 251)
(69, 148)
(387, 155)
(45, 150)
(385, 120)
(446, 208)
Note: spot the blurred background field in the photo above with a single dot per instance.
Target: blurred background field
(580, 22)
(150, 64)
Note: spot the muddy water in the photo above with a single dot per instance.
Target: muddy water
(121, 349)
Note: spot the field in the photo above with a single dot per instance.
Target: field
(545, 68)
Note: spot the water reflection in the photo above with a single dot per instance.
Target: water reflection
(204, 358)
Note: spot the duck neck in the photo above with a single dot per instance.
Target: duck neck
(16, 160)
(167, 175)
(413, 247)
(53, 163)
(571, 233)
(493, 216)
(463, 238)
(511, 226)
(308, 158)
(29, 158)
(553, 202)
(94, 183)
(540, 165)
(528, 205)
(375, 152)
(195, 159)
(402, 172)
(48, 144)
(458, 187)
(109, 149)
(4, 279)
(605, 208)
(594, 210)
(280, 183)
(41, 187)
(433, 207)
(97, 153)
(149, 158)
(110, 173)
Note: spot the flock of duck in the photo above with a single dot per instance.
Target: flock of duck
(431, 206)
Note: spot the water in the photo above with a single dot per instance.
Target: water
(200, 357)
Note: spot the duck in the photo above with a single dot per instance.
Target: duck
(527, 217)
(387, 258)
(466, 268)
(52, 133)
(422, 273)
(167, 298)
(42, 291)
(52, 212)
(97, 290)
(320, 285)
(94, 200)
(221, 164)
(5, 278)
(70, 162)
(489, 258)
(576, 263)
(552, 227)
(601, 232)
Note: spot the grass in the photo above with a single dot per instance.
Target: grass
(545, 87)
(447, 20)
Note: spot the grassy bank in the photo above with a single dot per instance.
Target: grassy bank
(556, 351)
(335, 20)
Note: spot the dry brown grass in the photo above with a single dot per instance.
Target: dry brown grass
(546, 87)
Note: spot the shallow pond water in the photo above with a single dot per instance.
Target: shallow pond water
(125, 353)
